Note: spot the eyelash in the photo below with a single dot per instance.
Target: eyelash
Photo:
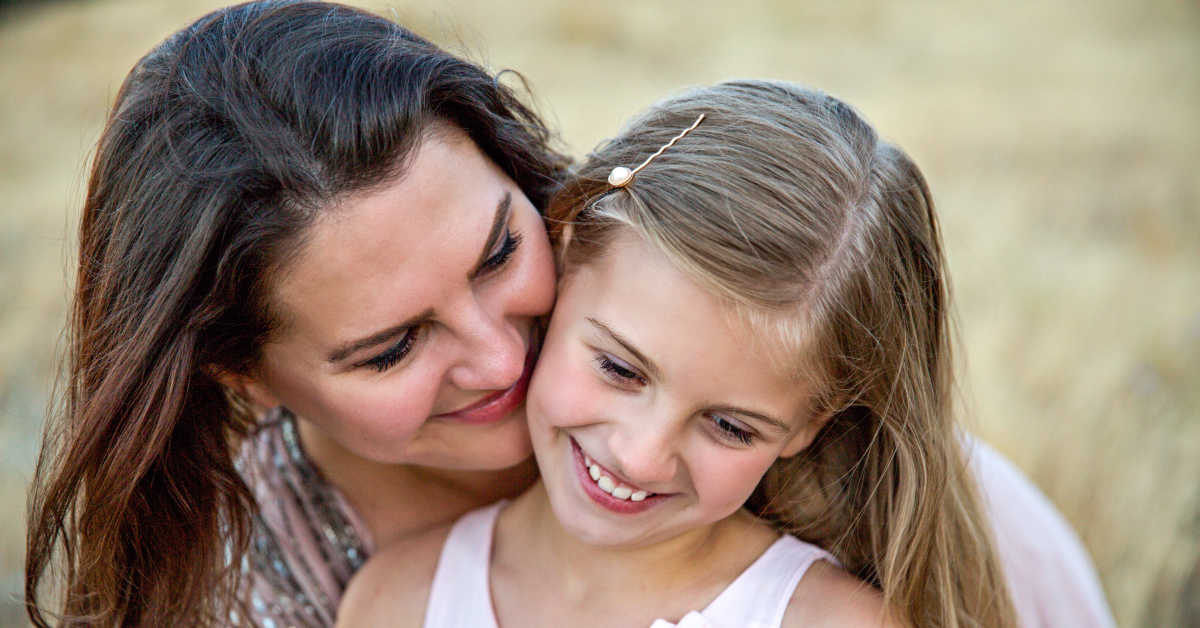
(401, 349)
(619, 372)
(732, 432)
(511, 242)
(395, 353)
(624, 375)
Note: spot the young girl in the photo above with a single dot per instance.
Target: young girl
(741, 410)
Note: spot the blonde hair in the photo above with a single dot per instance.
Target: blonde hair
(823, 237)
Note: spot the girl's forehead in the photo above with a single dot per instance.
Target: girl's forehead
(781, 336)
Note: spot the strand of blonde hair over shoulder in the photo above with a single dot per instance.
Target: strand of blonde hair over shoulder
(786, 203)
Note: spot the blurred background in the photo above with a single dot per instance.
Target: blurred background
(1061, 139)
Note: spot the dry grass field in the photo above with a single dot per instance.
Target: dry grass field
(1061, 138)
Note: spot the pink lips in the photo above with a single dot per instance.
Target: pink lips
(619, 506)
(496, 406)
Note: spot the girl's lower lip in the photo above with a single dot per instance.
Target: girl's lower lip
(619, 506)
(497, 406)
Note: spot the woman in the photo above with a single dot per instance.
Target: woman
(298, 206)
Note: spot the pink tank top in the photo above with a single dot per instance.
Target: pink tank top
(461, 596)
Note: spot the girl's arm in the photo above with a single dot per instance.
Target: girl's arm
(829, 596)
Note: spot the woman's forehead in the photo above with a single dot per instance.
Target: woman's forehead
(399, 246)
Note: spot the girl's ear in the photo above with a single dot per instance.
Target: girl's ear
(805, 435)
(248, 387)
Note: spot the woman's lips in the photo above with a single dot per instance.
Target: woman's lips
(496, 406)
(604, 499)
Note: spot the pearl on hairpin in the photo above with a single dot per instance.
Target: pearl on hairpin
(620, 177)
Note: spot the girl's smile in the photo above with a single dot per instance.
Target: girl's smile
(610, 490)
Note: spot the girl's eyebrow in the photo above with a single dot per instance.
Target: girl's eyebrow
(617, 338)
(650, 367)
(769, 420)
(503, 211)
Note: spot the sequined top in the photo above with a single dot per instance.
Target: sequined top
(307, 540)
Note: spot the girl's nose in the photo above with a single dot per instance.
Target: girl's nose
(646, 452)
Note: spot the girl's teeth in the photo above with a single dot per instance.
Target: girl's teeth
(607, 484)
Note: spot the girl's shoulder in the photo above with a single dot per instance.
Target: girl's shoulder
(392, 588)
(828, 595)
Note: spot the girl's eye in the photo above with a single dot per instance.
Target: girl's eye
(501, 257)
(732, 431)
(619, 372)
(395, 353)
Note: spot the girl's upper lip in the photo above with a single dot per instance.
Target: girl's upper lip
(610, 473)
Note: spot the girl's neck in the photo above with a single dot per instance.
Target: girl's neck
(395, 501)
(666, 578)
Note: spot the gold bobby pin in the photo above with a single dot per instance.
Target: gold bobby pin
(622, 176)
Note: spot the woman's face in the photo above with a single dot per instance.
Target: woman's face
(652, 412)
(408, 316)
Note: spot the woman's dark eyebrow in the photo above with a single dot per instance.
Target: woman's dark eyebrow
(617, 338)
(378, 338)
(503, 211)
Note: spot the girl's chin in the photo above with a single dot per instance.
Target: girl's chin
(605, 535)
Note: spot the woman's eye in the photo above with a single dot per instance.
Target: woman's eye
(395, 353)
(619, 371)
(732, 431)
(501, 256)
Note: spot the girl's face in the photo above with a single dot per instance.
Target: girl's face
(409, 315)
(651, 412)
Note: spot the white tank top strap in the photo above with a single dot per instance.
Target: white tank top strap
(759, 597)
(460, 596)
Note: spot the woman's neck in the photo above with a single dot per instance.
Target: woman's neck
(395, 501)
(659, 579)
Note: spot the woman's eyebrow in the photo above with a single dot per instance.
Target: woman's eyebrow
(354, 346)
(503, 211)
(628, 345)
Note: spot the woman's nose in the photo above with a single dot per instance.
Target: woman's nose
(491, 350)
(646, 451)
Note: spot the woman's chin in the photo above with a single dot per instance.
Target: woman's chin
(467, 448)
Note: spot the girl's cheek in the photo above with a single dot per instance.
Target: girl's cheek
(727, 490)
(564, 393)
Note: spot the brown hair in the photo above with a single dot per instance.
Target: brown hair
(224, 144)
(786, 203)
